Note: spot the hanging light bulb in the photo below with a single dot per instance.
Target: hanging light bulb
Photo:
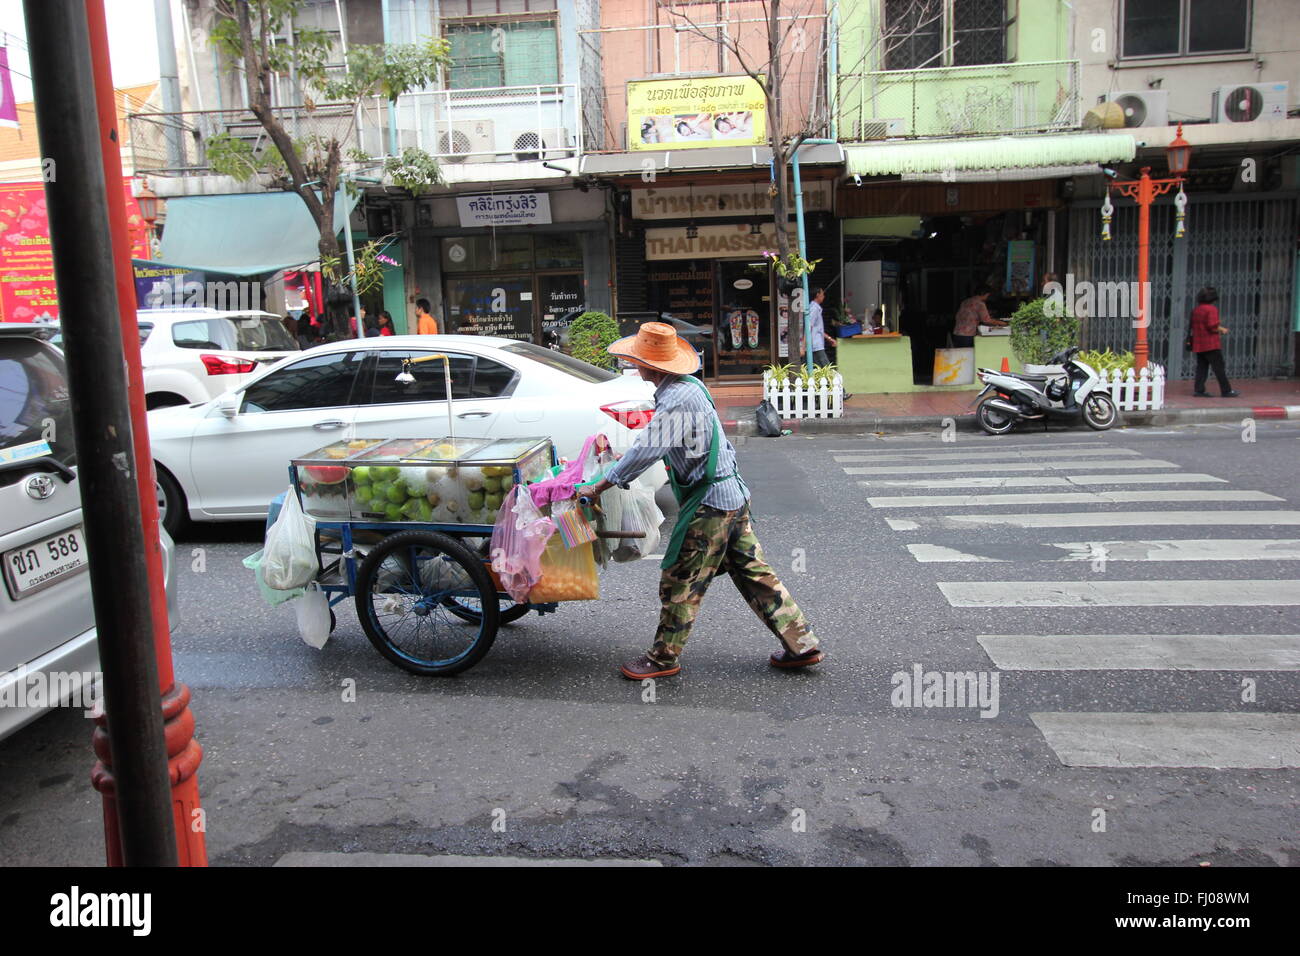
(1180, 213)
(1107, 213)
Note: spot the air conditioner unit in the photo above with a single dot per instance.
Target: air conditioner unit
(1141, 107)
(530, 145)
(467, 140)
(1248, 102)
(883, 128)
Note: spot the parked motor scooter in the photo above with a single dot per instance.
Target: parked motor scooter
(1010, 398)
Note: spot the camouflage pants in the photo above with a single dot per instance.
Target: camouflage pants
(718, 541)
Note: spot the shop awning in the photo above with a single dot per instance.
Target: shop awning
(1031, 154)
(248, 234)
(712, 157)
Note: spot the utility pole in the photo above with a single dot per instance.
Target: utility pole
(169, 82)
(148, 757)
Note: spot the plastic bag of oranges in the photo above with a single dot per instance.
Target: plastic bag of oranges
(568, 574)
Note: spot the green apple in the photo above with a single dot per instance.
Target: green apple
(493, 502)
(507, 482)
(361, 475)
(397, 493)
(363, 493)
(492, 485)
(393, 512)
(476, 501)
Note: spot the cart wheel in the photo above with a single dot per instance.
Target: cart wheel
(469, 609)
(406, 588)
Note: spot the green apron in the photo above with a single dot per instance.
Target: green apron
(690, 497)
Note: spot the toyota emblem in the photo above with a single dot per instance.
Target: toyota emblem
(40, 487)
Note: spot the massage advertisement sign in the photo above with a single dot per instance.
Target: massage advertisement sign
(27, 292)
(694, 112)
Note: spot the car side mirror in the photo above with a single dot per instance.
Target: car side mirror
(228, 405)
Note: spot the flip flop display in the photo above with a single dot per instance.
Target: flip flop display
(751, 322)
(734, 321)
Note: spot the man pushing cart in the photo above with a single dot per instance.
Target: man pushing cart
(713, 531)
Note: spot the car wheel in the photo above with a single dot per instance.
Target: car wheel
(163, 400)
(172, 512)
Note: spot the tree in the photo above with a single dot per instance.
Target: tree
(790, 40)
(248, 32)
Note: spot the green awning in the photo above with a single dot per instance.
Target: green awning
(1003, 152)
(247, 234)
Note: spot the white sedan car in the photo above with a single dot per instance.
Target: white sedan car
(192, 355)
(225, 459)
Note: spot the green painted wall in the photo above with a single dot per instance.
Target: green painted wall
(968, 100)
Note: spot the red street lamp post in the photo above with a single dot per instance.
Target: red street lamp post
(1144, 191)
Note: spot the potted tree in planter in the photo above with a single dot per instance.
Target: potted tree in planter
(1037, 335)
(589, 335)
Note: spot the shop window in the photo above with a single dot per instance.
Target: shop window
(503, 253)
(504, 53)
(1185, 27)
(559, 251)
(487, 8)
(915, 33)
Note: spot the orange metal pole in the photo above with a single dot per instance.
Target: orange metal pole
(183, 752)
(1145, 196)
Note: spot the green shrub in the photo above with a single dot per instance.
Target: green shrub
(1037, 336)
(589, 335)
(1107, 361)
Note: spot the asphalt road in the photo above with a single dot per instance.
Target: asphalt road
(1116, 738)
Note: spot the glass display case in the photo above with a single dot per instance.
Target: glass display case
(428, 481)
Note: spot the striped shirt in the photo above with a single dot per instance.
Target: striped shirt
(682, 430)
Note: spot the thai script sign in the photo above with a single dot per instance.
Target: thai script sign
(697, 111)
(505, 209)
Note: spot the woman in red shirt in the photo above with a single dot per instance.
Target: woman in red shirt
(1205, 343)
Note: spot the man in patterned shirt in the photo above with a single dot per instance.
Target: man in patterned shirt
(713, 532)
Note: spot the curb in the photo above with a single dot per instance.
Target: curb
(874, 425)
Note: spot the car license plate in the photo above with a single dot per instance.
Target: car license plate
(43, 563)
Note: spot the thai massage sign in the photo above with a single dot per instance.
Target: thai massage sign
(505, 209)
(696, 202)
(711, 242)
(696, 111)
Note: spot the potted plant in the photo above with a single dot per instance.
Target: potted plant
(589, 335)
(1037, 335)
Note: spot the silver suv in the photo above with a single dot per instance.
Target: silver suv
(47, 621)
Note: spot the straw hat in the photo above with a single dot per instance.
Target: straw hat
(657, 345)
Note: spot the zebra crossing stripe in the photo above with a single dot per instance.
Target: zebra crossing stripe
(1035, 481)
(1218, 740)
(889, 447)
(929, 469)
(1213, 592)
(1100, 519)
(1141, 479)
(985, 455)
(1123, 652)
(1179, 549)
(1069, 497)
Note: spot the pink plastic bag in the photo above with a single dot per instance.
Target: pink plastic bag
(596, 451)
(518, 540)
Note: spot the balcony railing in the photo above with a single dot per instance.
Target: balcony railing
(495, 124)
(176, 143)
(960, 100)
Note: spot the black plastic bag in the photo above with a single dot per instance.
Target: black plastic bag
(769, 422)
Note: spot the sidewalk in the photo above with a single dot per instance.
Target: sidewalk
(916, 411)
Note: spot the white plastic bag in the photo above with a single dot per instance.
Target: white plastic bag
(289, 558)
(314, 617)
(639, 513)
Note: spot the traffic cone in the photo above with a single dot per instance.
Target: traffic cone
(1006, 365)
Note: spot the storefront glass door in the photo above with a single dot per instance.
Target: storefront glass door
(742, 328)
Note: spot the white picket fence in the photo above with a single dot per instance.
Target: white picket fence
(818, 400)
(1136, 393)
